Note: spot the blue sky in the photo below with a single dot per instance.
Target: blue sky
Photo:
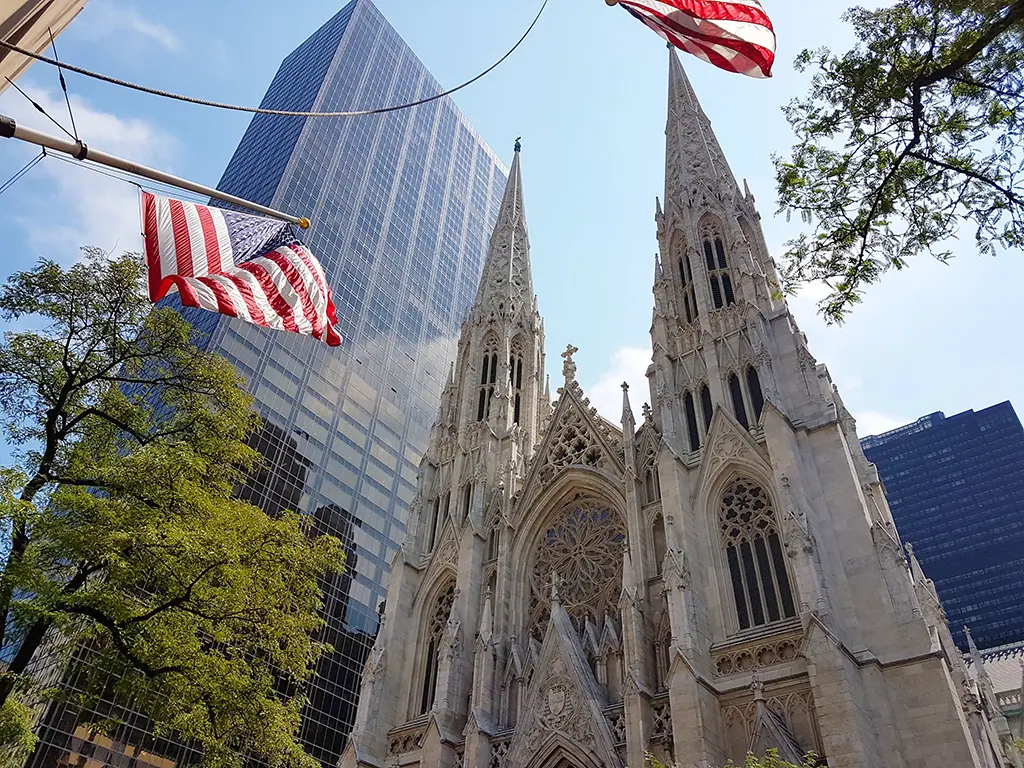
(587, 91)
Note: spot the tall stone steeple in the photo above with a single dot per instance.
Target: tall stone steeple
(488, 422)
(694, 154)
(767, 495)
(507, 276)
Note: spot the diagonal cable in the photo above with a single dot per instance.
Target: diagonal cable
(39, 107)
(63, 85)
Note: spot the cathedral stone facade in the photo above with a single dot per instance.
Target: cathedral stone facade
(720, 574)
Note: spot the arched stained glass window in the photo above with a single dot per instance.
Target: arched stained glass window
(736, 393)
(756, 395)
(757, 569)
(488, 378)
(717, 263)
(437, 621)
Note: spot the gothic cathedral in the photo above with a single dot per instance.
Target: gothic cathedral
(721, 575)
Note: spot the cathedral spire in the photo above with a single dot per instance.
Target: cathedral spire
(693, 151)
(506, 275)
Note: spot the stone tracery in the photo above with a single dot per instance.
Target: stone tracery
(583, 545)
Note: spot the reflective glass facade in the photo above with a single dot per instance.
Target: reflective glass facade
(956, 489)
(402, 207)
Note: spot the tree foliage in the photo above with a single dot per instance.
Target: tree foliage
(900, 140)
(124, 534)
(769, 759)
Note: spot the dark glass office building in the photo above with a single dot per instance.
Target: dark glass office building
(402, 206)
(956, 489)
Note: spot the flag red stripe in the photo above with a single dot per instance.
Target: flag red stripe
(333, 338)
(721, 11)
(224, 303)
(759, 56)
(188, 294)
(715, 57)
(274, 297)
(182, 240)
(733, 36)
(245, 289)
(152, 241)
(213, 258)
(299, 284)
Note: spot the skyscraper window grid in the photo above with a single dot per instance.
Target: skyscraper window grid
(402, 205)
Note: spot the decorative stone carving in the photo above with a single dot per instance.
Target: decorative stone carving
(448, 552)
(569, 366)
(676, 569)
(403, 740)
(795, 709)
(583, 546)
(617, 725)
(795, 535)
(756, 656)
(452, 637)
(556, 707)
(499, 751)
(573, 443)
(661, 715)
(375, 665)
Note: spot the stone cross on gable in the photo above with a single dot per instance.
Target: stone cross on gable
(648, 416)
(569, 367)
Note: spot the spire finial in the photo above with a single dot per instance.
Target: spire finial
(757, 687)
(627, 411)
(519, 143)
(569, 367)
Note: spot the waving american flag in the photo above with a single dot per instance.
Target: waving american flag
(735, 35)
(248, 267)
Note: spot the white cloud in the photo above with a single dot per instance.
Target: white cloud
(873, 423)
(628, 364)
(76, 206)
(105, 18)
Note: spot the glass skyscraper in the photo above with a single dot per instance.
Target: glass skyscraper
(956, 489)
(402, 207)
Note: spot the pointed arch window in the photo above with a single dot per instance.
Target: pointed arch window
(488, 378)
(756, 395)
(437, 621)
(493, 542)
(435, 523)
(686, 282)
(757, 569)
(652, 487)
(649, 472)
(706, 406)
(515, 375)
(738, 407)
(467, 500)
(659, 542)
(717, 263)
(692, 429)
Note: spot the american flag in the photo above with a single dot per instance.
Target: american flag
(734, 35)
(240, 265)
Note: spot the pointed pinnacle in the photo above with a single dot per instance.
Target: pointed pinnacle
(627, 411)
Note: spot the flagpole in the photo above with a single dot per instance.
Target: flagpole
(9, 129)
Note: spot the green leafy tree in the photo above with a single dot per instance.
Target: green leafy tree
(912, 133)
(124, 536)
(770, 759)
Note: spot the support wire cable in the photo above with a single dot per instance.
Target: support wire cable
(259, 110)
(25, 169)
(168, 190)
